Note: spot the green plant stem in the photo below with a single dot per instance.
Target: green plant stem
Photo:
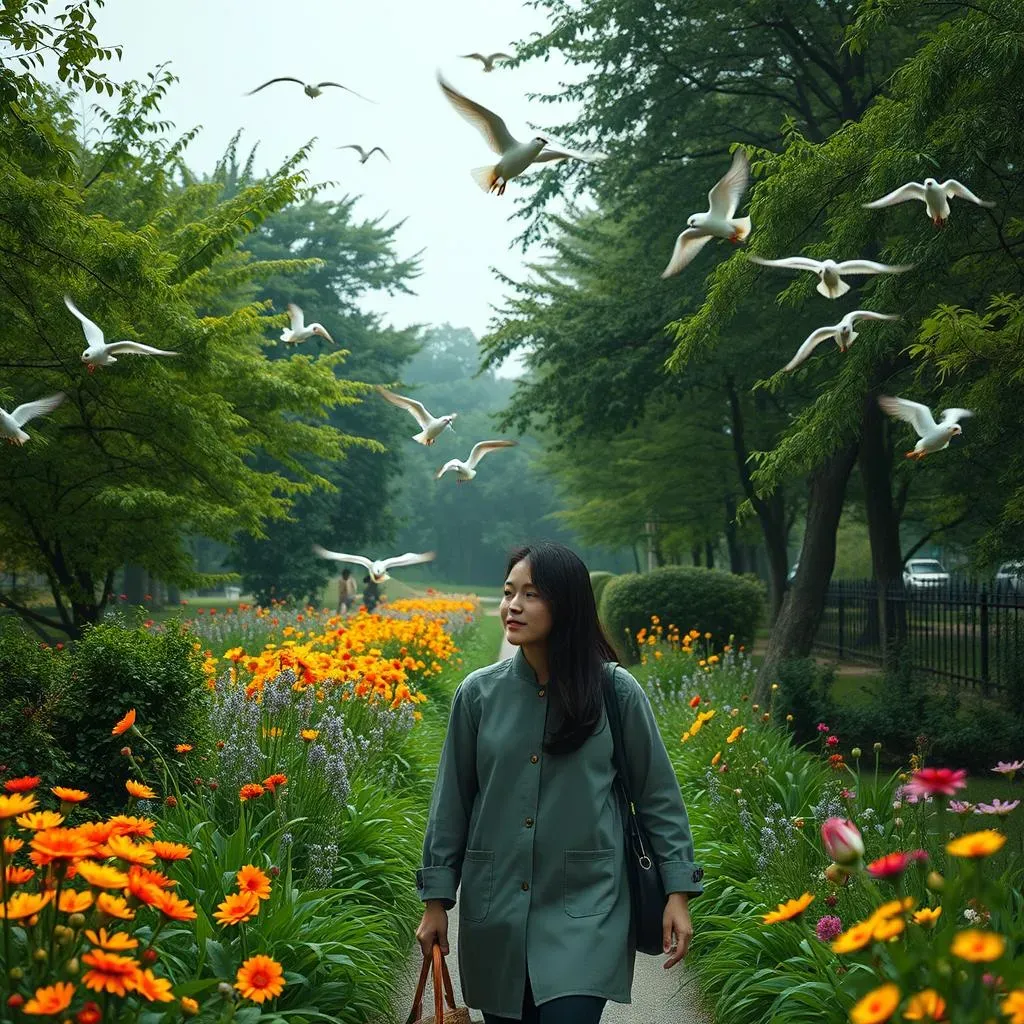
(3, 898)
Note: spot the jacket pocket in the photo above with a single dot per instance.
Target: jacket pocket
(590, 884)
(475, 890)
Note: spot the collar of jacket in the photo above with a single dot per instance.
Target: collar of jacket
(522, 668)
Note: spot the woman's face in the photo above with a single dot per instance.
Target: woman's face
(525, 615)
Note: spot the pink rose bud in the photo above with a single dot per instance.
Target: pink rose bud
(843, 842)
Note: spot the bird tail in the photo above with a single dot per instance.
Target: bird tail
(832, 293)
(286, 334)
(743, 226)
(421, 437)
(19, 438)
(486, 177)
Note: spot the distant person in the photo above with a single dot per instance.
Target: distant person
(371, 593)
(346, 591)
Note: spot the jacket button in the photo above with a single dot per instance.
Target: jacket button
(529, 822)
(526, 885)
(540, 693)
(534, 759)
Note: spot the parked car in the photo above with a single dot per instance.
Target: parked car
(924, 574)
(1010, 576)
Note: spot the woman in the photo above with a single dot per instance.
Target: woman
(523, 812)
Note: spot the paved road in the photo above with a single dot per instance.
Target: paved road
(659, 996)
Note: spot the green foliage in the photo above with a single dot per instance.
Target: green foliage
(690, 597)
(598, 581)
(804, 693)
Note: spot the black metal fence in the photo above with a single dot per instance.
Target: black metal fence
(969, 633)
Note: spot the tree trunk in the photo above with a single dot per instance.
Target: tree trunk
(695, 554)
(793, 633)
(135, 584)
(731, 541)
(709, 554)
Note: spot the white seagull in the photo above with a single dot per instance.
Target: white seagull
(933, 436)
(515, 156)
(720, 220)
(830, 273)
(365, 155)
(487, 59)
(99, 353)
(842, 332)
(433, 426)
(467, 470)
(934, 194)
(378, 568)
(298, 331)
(312, 91)
(12, 422)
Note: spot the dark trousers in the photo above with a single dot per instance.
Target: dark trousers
(565, 1010)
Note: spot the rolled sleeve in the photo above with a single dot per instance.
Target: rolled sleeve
(656, 794)
(455, 790)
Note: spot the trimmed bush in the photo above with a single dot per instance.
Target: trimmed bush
(691, 597)
(598, 581)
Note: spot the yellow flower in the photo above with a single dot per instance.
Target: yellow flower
(925, 1005)
(115, 906)
(927, 916)
(39, 821)
(189, 1007)
(891, 908)
(976, 844)
(717, 757)
(74, 902)
(736, 734)
(877, 1006)
(790, 909)
(69, 796)
(887, 929)
(24, 904)
(1013, 1006)
(102, 876)
(309, 734)
(854, 938)
(978, 946)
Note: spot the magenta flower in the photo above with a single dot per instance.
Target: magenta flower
(833, 741)
(1000, 807)
(822, 727)
(960, 806)
(936, 782)
(843, 842)
(829, 927)
(848, 794)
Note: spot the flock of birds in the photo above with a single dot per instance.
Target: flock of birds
(514, 157)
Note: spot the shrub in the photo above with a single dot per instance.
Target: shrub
(691, 597)
(598, 581)
(804, 692)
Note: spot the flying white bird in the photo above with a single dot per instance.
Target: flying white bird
(365, 155)
(842, 332)
(99, 353)
(720, 220)
(433, 426)
(312, 91)
(933, 436)
(12, 422)
(298, 331)
(934, 194)
(378, 568)
(467, 470)
(515, 156)
(487, 59)
(830, 273)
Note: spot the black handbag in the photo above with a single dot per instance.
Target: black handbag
(646, 892)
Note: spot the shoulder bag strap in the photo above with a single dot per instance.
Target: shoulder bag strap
(611, 705)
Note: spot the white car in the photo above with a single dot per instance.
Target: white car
(1010, 576)
(924, 574)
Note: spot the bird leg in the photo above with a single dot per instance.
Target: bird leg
(501, 187)
(914, 454)
(91, 367)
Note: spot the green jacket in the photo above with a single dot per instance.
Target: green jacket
(536, 840)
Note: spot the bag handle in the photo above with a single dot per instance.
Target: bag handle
(441, 977)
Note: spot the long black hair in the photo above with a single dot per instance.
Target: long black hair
(577, 644)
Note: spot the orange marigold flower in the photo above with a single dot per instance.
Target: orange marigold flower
(251, 879)
(12, 845)
(260, 978)
(151, 877)
(139, 790)
(238, 907)
(97, 832)
(63, 844)
(877, 1006)
(149, 986)
(142, 890)
(976, 844)
(109, 972)
(308, 735)
(123, 848)
(174, 907)
(189, 1007)
(17, 875)
(114, 906)
(129, 825)
(39, 820)
(170, 851)
(977, 946)
(16, 803)
(51, 1000)
(855, 937)
(69, 796)
(74, 902)
(275, 780)
(102, 876)
(89, 1014)
(125, 724)
(183, 748)
(24, 904)
(250, 791)
(790, 909)
(115, 941)
(925, 1005)
(22, 785)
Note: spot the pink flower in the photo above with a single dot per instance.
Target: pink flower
(822, 727)
(892, 865)
(936, 782)
(989, 979)
(843, 842)
(1009, 768)
(833, 741)
(848, 794)
(1000, 807)
(960, 806)
(828, 927)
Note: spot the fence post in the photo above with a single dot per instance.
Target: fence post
(983, 625)
(842, 616)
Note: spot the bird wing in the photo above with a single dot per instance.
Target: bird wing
(418, 409)
(912, 190)
(40, 407)
(93, 334)
(868, 314)
(377, 149)
(725, 196)
(492, 127)
(952, 187)
(496, 56)
(338, 85)
(136, 348)
(358, 149)
(409, 558)
(920, 416)
(273, 80)
(338, 556)
(790, 263)
(481, 448)
(950, 416)
(871, 267)
(296, 316)
(688, 244)
(812, 341)
(567, 152)
(474, 56)
(450, 464)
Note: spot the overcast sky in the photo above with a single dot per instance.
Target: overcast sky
(387, 50)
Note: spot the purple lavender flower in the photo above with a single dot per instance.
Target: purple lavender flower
(829, 927)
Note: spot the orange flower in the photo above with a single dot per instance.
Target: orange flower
(12, 845)
(16, 803)
(24, 904)
(109, 972)
(123, 848)
(129, 825)
(250, 791)
(877, 1006)
(89, 1014)
(308, 735)
(252, 879)
(102, 876)
(260, 978)
(151, 877)
(273, 781)
(137, 789)
(977, 946)
(97, 832)
(183, 748)
(976, 844)
(149, 986)
(114, 906)
(22, 785)
(39, 820)
(69, 796)
(189, 1007)
(170, 851)
(17, 875)
(125, 724)
(855, 937)
(238, 907)
(62, 844)
(74, 902)
(116, 941)
(925, 1005)
(789, 910)
(143, 891)
(174, 907)
(51, 1000)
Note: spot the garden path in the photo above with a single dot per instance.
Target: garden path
(659, 996)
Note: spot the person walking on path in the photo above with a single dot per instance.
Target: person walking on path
(371, 592)
(346, 591)
(524, 821)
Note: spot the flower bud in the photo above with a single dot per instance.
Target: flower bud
(76, 920)
(72, 966)
(40, 955)
(16, 1001)
(935, 881)
(213, 786)
(189, 1007)
(775, 686)
(275, 871)
(170, 801)
(856, 752)
(149, 956)
(877, 747)
(16, 974)
(225, 989)
(755, 707)
(766, 717)
(837, 874)
(126, 751)
(898, 822)
(843, 842)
